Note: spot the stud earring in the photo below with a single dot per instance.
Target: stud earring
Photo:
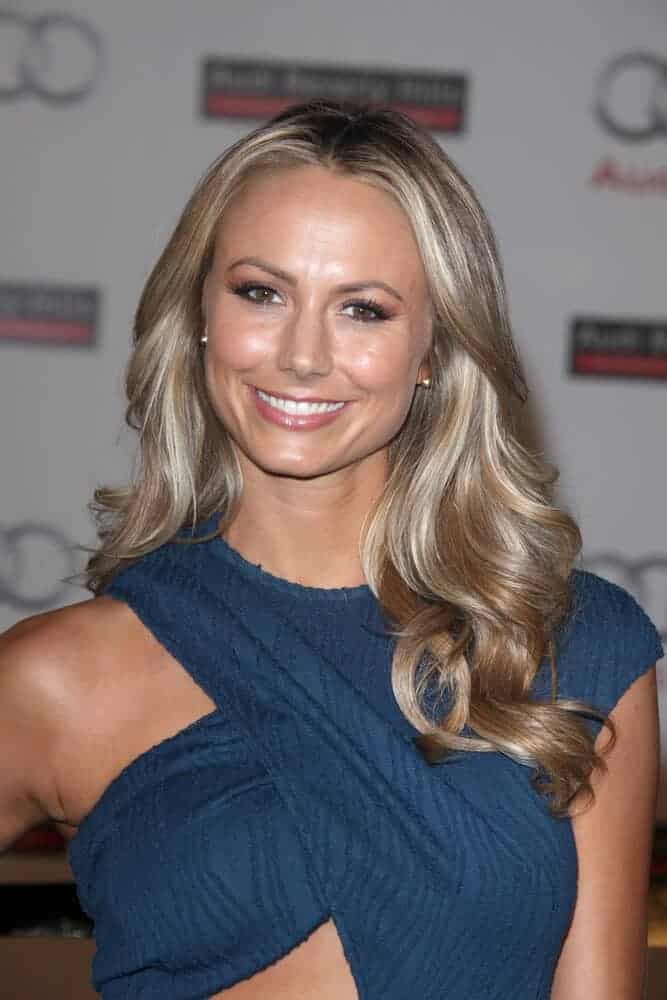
(204, 337)
(426, 382)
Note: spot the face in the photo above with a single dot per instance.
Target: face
(318, 324)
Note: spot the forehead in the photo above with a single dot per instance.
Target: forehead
(316, 210)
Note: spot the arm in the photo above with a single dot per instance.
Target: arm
(28, 720)
(604, 954)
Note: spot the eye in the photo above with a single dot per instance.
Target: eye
(373, 310)
(244, 292)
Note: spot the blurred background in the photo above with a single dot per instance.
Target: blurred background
(110, 112)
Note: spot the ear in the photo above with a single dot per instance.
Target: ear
(424, 370)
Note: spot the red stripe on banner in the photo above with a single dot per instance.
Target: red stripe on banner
(34, 329)
(249, 104)
(241, 104)
(445, 118)
(621, 364)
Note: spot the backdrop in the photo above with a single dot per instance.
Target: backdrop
(557, 113)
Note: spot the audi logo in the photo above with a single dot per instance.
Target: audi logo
(53, 57)
(35, 562)
(631, 97)
(646, 579)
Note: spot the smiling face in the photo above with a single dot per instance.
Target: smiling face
(318, 324)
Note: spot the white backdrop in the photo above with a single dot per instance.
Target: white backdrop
(90, 190)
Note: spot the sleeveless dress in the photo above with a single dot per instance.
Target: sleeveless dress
(301, 797)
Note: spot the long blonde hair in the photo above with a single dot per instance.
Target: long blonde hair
(466, 550)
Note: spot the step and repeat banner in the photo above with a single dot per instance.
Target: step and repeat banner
(110, 112)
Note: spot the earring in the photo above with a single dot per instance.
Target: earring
(204, 337)
(426, 382)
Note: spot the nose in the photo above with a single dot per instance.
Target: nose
(305, 347)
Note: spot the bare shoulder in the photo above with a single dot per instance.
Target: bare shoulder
(50, 668)
(65, 671)
(47, 654)
(52, 664)
(73, 623)
(605, 949)
(83, 691)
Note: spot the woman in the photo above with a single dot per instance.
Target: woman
(336, 723)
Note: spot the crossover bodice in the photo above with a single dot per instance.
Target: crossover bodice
(302, 797)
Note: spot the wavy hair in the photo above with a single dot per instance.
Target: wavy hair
(465, 550)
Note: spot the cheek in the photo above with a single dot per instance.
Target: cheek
(386, 367)
(232, 348)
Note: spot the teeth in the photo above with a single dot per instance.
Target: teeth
(300, 408)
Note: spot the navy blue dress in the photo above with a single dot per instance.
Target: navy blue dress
(301, 797)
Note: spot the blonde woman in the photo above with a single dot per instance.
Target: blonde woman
(343, 719)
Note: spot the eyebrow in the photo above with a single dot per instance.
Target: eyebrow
(278, 272)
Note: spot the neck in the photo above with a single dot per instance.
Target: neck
(305, 532)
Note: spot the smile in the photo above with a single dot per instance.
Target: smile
(297, 414)
(298, 407)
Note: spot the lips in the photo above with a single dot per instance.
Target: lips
(297, 414)
(299, 407)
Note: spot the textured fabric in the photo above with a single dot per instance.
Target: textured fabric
(301, 796)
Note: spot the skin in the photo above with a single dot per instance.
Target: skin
(604, 954)
(86, 689)
(306, 493)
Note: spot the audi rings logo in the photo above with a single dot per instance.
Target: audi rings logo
(54, 57)
(646, 579)
(631, 97)
(35, 560)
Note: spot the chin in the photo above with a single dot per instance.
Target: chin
(294, 470)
